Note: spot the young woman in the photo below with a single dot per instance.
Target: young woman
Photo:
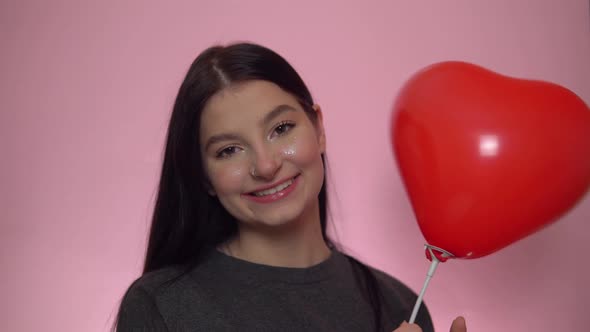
(238, 239)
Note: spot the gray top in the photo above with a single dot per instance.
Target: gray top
(228, 294)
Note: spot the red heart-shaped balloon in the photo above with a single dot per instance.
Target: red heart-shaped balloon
(488, 159)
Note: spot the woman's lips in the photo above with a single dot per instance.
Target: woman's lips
(275, 193)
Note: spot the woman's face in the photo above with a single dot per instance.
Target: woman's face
(262, 154)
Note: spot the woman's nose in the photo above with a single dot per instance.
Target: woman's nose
(266, 164)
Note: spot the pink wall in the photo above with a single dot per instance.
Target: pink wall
(86, 90)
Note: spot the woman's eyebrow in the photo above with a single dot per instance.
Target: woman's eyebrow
(278, 110)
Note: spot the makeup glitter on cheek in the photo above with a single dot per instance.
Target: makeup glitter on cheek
(289, 150)
(301, 149)
(237, 172)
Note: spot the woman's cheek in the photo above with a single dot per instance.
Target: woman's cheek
(300, 150)
(289, 150)
(228, 178)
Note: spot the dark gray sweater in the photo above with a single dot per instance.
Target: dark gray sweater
(228, 294)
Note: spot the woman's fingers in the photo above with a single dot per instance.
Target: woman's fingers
(405, 327)
(459, 325)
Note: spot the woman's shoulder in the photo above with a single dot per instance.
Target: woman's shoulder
(144, 290)
(384, 280)
(406, 296)
(399, 298)
(392, 283)
(150, 298)
(152, 281)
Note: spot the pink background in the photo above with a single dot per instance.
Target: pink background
(86, 91)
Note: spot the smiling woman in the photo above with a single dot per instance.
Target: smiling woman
(238, 238)
(267, 171)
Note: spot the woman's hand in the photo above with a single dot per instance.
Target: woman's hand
(405, 327)
(457, 326)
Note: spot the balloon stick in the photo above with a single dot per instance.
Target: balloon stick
(429, 275)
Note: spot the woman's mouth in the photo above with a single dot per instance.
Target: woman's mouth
(273, 190)
(275, 193)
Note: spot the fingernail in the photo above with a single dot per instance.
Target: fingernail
(460, 320)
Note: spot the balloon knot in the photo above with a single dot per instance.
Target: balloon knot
(439, 254)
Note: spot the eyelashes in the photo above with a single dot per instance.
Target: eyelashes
(281, 129)
(227, 152)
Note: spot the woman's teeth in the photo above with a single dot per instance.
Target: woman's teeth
(273, 190)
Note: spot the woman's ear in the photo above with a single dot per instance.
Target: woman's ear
(209, 188)
(320, 127)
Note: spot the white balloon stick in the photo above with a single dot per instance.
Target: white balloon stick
(429, 276)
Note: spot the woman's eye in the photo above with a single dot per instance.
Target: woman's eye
(227, 152)
(283, 128)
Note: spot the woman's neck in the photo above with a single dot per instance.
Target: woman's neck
(298, 245)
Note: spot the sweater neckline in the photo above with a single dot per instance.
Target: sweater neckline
(255, 273)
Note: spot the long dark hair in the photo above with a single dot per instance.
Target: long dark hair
(187, 221)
